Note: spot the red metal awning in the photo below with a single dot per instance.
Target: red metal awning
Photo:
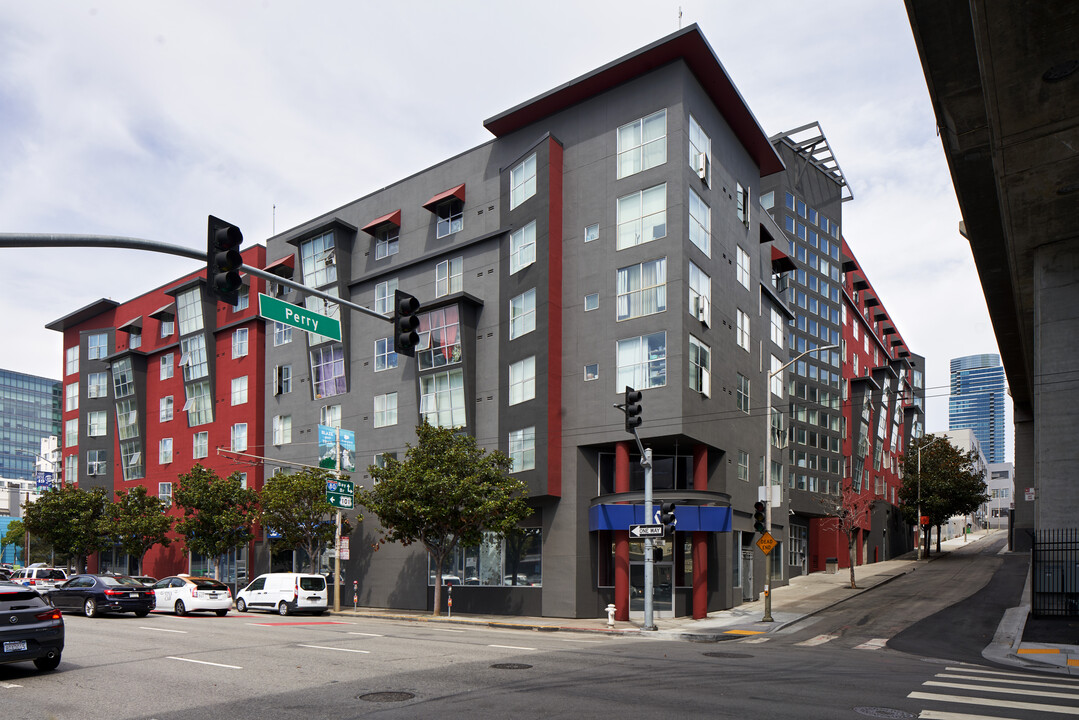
(457, 192)
(781, 261)
(393, 218)
(284, 267)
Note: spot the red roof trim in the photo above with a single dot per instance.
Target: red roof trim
(457, 192)
(393, 218)
(782, 261)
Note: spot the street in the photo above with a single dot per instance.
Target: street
(836, 664)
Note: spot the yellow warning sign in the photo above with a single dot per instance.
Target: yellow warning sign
(766, 543)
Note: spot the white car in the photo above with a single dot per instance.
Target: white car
(43, 579)
(183, 594)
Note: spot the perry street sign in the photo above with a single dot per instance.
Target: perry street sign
(646, 531)
(280, 311)
(339, 493)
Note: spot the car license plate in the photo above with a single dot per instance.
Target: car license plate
(132, 594)
(213, 596)
(312, 599)
(14, 646)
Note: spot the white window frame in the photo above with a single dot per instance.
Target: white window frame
(71, 360)
(387, 241)
(742, 268)
(97, 423)
(522, 314)
(442, 397)
(523, 247)
(238, 391)
(71, 396)
(639, 147)
(385, 357)
(385, 410)
(448, 277)
(742, 334)
(640, 211)
(282, 429)
(700, 292)
(777, 327)
(164, 451)
(523, 181)
(282, 334)
(641, 361)
(700, 367)
(522, 449)
(200, 445)
(700, 223)
(239, 437)
(522, 380)
(164, 494)
(166, 366)
(239, 343)
(97, 346)
(631, 301)
(700, 143)
(165, 409)
(384, 296)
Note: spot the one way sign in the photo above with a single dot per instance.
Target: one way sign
(645, 531)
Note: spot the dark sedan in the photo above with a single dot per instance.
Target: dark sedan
(95, 595)
(30, 629)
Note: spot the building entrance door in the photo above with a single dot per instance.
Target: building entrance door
(662, 579)
(747, 575)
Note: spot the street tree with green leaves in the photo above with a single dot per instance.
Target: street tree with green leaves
(951, 483)
(294, 505)
(69, 518)
(136, 522)
(217, 513)
(445, 494)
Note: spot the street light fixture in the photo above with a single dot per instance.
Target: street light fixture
(767, 467)
(919, 521)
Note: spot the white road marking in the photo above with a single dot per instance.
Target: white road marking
(819, 640)
(9, 685)
(579, 641)
(756, 641)
(447, 630)
(203, 662)
(511, 647)
(1004, 690)
(874, 644)
(982, 671)
(995, 703)
(143, 627)
(1010, 682)
(324, 647)
(366, 634)
(936, 715)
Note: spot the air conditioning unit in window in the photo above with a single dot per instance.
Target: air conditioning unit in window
(703, 311)
(702, 166)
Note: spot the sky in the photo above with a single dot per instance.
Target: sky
(141, 118)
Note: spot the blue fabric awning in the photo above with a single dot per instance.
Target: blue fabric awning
(691, 518)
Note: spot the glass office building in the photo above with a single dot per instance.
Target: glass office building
(976, 401)
(29, 411)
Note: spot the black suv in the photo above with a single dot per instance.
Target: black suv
(30, 628)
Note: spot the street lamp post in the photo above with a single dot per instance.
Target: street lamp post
(767, 465)
(919, 521)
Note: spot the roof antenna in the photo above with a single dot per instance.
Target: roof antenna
(273, 221)
(679, 17)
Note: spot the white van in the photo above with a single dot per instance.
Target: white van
(285, 593)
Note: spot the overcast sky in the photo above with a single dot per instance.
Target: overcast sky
(140, 118)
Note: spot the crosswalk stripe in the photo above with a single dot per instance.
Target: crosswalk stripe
(874, 644)
(937, 715)
(8, 686)
(949, 676)
(819, 640)
(1003, 690)
(995, 702)
(983, 671)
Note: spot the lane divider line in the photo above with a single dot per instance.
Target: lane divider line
(203, 662)
(324, 647)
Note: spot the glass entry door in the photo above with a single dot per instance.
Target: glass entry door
(662, 579)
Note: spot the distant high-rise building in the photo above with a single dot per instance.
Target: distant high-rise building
(976, 401)
(29, 411)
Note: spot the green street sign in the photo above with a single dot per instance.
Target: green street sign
(345, 487)
(279, 311)
(339, 500)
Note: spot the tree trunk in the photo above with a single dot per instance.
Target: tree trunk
(217, 567)
(938, 539)
(438, 584)
(851, 542)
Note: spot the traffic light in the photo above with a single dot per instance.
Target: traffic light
(223, 259)
(758, 517)
(405, 323)
(667, 518)
(632, 408)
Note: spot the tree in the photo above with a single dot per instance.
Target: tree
(218, 513)
(848, 514)
(951, 483)
(70, 519)
(445, 494)
(295, 506)
(136, 522)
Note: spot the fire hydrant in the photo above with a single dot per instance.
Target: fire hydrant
(610, 615)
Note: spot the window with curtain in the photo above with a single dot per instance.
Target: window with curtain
(442, 398)
(642, 362)
(328, 371)
(440, 338)
(642, 289)
(641, 217)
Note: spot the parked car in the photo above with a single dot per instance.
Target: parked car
(183, 594)
(98, 594)
(285, 593)
(41, 578)
(30, 628)
(144, 579)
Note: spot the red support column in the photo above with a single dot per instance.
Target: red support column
(621, 537)
(700, 539)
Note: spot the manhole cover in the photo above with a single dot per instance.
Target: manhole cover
(386, 696)
(727, 655)
(882, 712)
(510, 666)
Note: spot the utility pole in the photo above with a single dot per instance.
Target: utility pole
(337, 533)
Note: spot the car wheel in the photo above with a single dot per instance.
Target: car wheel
(90, 608)
(142, 613)
(180, 608)
(47, 662)
(283, 609)
(221, 613)
(241, 606)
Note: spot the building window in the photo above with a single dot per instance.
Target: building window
(168, 327)
(385, 357)
(282, 334)
(97, 385)
(523, 181)
(200, 445)
(450, 217)
(384, 296)
(328, 371)
(700, 151)
(448, 275)
(381, 458)
(242, 301)
(442, 398)
(591, 233)
(523, 449)
(199, 406)
(330, 416)
(189, 310)
(700, 223)
(134, 340)
(318, 260)
(386, 240)
(97, 462)
(741, 199)
(523, 247)
(440, 338)
(239, 343)
(71, 396)
(239, 390)
(642, 144)
(742, 270)
(591, 372)
(642, 362)
(164, 451)
(385, 410)
(165, 408)
(164, 494)
(322, 306)
(239, 437)
(742, 331)
(123, 378)
(193, 356)
(131, 460)
(743, 466)
(641, 217)
(71, 433)
(777, 328)
(71, 361)
(282, 379)
(282, 429)
(591, 302)
(97, 422)
(642, 289)
(523, 314)
(166, 365)
(743, 393)
(127, 419)
(97, 346)
(777, 379)
(700, 364)
(522, 385)
(700, 290)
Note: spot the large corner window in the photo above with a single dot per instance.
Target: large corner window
(442, 398)
(523, 181)
(440, 338)
(700, 367)
(193, 357)
(97, 346)
(199, 406)
(97, 462)
(642, 289)
(642, 144)
(131, 460)
(318, 258)
(127, 419)
(328, 371)
(123, 381)
(322, 306)
(189, 310)
(700, 151)
(642, 362)
(700, 223)
(641, 217)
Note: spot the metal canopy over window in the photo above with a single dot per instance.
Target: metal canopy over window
(394, 218)
(283, 267)
(457, 192)
(781, 262)
(166, 313)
